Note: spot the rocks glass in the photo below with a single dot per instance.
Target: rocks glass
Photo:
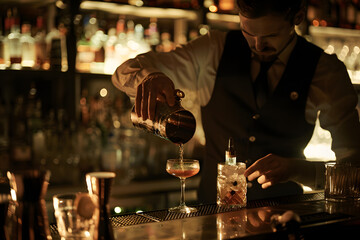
(231, 185)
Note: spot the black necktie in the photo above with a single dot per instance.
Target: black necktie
(261, 88)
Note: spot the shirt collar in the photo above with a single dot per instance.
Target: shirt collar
(285, 54)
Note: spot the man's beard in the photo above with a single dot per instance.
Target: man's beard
(265, 58)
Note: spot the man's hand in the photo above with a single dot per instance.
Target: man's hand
(156, 87)
(273, 169)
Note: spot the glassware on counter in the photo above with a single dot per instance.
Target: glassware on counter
(100, 184)
(342, 182)
(76, 215)
(182, 168)
(231, 185)
(231, 182)
(28, 190)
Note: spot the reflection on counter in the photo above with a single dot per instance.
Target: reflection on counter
(298, 219)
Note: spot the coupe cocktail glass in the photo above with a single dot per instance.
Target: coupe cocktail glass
(182, 168)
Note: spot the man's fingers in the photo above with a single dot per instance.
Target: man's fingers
(262, 179)
(138, 100)
(266, 185)
(144, 102)
(254, 175)
(169, 94)
(259, 165)
(152, 105)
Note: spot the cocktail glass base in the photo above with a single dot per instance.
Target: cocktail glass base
(183, 209)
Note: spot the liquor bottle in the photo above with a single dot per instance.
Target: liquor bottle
(121, 48)
(139, 38)
(111, 62)
(357, 13)
(166, 44)
(351, 13)
(85, 56)
(2, 48)
(20, 142)
(27, 47)
(7, 26)
(135, 40)
(154, 36)
(56, 48)
(97, 42)
(333, 13)
(111, 154)
(14, 42)
(4, 137)
(230, 154)
(35, 124)
(343, 14)
(40, 45)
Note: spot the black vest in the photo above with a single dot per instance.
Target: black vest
(279, 127)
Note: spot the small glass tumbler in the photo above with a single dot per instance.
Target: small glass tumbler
(342, 182)
(76, 215)
(231, 185)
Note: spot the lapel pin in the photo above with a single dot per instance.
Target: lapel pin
(294, 95)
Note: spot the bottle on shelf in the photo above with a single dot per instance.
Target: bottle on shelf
(139, 38)
(121, 48)
(15, 52)
(97, 43)
(110, 61)
(166, 44)
(27, 47)
(20, 142)
(154, 36)
(40, 45)
(85, 55)
(2, 48)
(7, 29)
(56, 48)
(4, 137)
(111, 154)
(135, 40)
(357, 14)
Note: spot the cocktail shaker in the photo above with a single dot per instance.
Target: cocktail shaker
(31, 219)
(100, 184)
(171, 123)
(5, 200)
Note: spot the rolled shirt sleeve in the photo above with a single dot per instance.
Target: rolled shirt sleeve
(192, 67)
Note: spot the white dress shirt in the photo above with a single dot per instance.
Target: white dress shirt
(193, 67)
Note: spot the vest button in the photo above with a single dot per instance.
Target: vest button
(256, 116)
(252, 139)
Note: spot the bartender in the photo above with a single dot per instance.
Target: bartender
(262, 85)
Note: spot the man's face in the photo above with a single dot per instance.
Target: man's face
(267, 36)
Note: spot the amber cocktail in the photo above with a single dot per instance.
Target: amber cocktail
(182, 168)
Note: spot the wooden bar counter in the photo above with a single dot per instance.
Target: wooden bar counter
(319, 219)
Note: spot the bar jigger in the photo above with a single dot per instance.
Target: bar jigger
(31, 219)
(100, 183)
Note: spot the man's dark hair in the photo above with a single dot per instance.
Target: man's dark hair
(260, 8)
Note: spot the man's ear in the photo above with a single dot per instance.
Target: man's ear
(299, 17)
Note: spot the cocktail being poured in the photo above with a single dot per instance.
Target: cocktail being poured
(182, 168)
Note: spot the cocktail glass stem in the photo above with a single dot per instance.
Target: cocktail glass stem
(182, 194)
